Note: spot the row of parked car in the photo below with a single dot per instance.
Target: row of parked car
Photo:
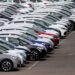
(31, 35)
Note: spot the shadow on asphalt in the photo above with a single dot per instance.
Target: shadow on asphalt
(42, 59)
(28, 62)
(15, 70)
(58, 47)
(47, 56)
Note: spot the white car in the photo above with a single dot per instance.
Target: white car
(17, 55)
(53, 32)
(22, 23)
(45, 36)
(61, 28)
(26, 31)
(19, 40)
(13, 61)
(6, 46)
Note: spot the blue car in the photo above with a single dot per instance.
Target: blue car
(48, 46)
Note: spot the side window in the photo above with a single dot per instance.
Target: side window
(21, 42)
(3, 0)
(35, 0)
(14, 41)
(10, 0)
(3, 38)
(16, 1)
(3, 48)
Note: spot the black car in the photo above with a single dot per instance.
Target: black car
(37, 52)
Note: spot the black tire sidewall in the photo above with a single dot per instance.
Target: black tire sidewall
(38, 55)
(8, 61)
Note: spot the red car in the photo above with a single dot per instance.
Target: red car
(55, 39)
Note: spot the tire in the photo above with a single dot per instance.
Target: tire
(49, 50)
(34, 55)
(43, 53)
(6, 65)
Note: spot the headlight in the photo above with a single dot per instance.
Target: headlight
(14, 57)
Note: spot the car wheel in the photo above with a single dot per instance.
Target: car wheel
(6, 65)
(34, 55)
(43, 54)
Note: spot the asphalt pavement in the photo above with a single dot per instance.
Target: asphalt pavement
(61, 61)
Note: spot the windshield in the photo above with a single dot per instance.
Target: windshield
(56, 15)
(17, 41)
(31, 35)
(50, 19)
(2, 48)
(2, 38)
(13, 40)
(66, 10)
(56, 18)
(6, 44)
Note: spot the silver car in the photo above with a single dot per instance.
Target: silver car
(8, 62)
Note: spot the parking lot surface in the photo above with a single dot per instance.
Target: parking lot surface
(60, 62)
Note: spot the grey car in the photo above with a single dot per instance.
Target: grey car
(8, 62)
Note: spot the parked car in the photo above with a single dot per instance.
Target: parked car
(61, 28)
(11, 50)
(53, 31)
(18, 39)
(46, 42)
(8, 62)
(51, 36)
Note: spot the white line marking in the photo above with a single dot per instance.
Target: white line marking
(33, 65)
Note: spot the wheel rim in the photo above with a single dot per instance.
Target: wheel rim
(6, 66)
(34, 55)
